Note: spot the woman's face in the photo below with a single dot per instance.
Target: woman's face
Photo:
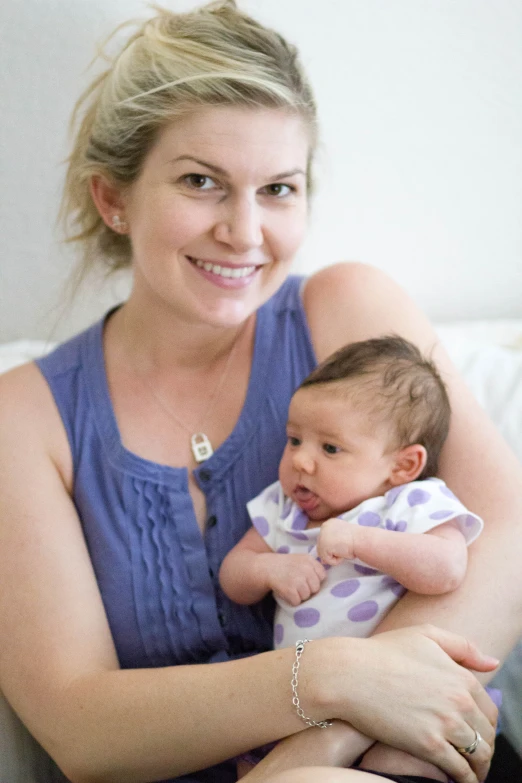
(218, 212)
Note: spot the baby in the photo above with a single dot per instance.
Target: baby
(335, 539)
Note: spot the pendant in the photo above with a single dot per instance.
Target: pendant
(201, 447)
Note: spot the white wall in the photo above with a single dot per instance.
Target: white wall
(420, 167)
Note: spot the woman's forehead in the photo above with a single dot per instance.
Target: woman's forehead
(230, 137)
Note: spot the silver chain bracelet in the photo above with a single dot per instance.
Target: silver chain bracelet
(321, 724)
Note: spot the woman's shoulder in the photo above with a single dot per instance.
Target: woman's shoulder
(351, 301)
(29, 419)
(33, 397)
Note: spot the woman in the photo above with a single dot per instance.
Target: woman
(192, 163)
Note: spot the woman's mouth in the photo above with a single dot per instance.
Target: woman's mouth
(226, 276)
(305, 498)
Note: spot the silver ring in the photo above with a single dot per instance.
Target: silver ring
(471, 748)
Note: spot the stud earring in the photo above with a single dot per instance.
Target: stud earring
(118, 224)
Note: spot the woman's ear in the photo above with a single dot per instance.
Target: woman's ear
(409, 464)
(109, 203)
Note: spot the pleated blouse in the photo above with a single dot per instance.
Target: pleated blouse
(157, 573)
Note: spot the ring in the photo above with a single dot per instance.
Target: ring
(471, 748)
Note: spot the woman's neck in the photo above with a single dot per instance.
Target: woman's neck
(158, 339)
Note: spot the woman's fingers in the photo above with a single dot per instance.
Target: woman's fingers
(488, 707)
(460, 649)
(442, 704)
(467, 769)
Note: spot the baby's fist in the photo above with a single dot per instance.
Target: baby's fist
(335, 541)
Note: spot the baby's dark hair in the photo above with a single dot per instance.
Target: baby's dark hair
(399, 385)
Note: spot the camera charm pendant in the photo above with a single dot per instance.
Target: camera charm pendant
(201, 448)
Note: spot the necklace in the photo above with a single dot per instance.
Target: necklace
(199, 442)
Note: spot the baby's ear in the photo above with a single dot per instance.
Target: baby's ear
(409, 464)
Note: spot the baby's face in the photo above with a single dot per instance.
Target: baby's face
(335, 456)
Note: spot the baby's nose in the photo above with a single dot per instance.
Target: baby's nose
(303, 461)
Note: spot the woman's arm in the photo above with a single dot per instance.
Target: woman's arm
(251, 570)
(339, 746)
(430, 563)
(59, 669)
(351, 302)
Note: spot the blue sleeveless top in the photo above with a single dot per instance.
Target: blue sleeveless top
(157, 574)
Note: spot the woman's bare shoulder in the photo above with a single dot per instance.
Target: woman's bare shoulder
(30, 421)
(352, 301)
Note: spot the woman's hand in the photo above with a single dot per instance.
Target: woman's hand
(411, 689)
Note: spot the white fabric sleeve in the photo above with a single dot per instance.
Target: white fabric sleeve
(265, 511)
(423, 505)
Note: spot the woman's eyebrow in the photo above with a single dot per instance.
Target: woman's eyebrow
(224, 173)
(211, 166)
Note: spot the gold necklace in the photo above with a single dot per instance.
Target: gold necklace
(199, 442)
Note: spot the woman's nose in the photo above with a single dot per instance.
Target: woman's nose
(240, 226)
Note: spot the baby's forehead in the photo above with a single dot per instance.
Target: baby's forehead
(357, 393)
(347, 398)
(346, 404)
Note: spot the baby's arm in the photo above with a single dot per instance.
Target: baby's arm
(429, 564)
(251, 570)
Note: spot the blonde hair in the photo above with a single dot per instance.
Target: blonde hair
(172, 64)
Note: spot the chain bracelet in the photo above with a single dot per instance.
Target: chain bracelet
(321, 724)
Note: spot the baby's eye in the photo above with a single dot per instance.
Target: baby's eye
(279, 189)
(199, 181)
(329, 448)
(293, 441)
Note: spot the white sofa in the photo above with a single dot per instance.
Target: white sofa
(490, 357)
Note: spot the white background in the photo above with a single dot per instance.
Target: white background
(420, 167)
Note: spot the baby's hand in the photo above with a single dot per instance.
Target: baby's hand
(336, 541)
(294, 578)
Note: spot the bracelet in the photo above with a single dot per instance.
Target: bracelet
(321, 724)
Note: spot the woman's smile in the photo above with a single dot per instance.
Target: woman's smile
(224, 274)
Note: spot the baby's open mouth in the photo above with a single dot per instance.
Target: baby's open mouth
(305, 498)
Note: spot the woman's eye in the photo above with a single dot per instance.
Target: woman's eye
(279, 189)
(330, 448)
(199, 181)
(293, 441)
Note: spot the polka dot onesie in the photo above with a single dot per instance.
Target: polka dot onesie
(353, 598)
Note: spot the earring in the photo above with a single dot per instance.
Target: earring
(118, 224)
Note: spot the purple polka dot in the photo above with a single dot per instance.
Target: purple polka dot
(287, 507)
(369, 519)
(362, 612)
(261, 525)
(283, 550)
(389, 583)
(300, 521)
(399, 526)
(392, 495)
(273, 495)
(305, 618)
(470, 521)
(346, 588)
(366, 570)
(442, 514)
(417, 497)
(447, 491)
(278, 633)
(298, 536)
